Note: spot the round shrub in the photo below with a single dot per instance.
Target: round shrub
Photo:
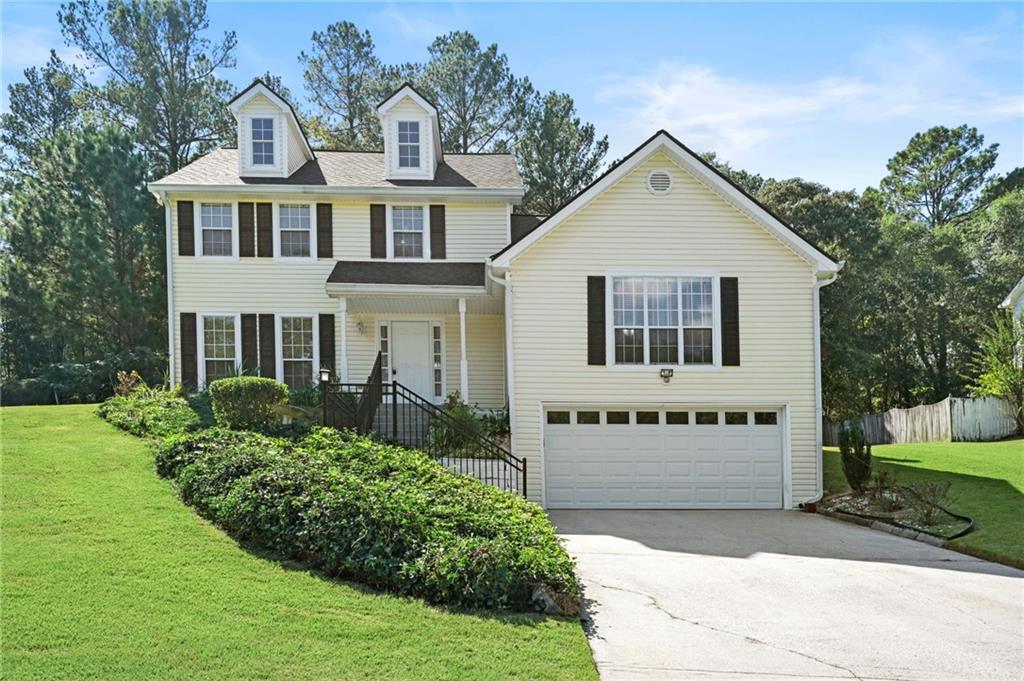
(246, 402)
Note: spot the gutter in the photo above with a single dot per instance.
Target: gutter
(171, 368)
(819, 283)
(510, 383)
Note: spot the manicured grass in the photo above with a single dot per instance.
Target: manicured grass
(987, 483)
(106, 574)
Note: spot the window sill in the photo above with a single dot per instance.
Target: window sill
(217, 258)
(677, 368)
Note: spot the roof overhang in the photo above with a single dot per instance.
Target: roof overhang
(258, 87)
(708, 175)
(1011, 300)
(469, 194)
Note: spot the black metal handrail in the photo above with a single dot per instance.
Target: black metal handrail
(366, 413)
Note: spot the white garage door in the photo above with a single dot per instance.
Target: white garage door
(603, 457)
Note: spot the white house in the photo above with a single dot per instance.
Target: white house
(656, 339)
(1015, 300)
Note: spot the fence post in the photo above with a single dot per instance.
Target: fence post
(394, 410)
(524, 477)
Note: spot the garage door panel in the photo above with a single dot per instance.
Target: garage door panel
(663, 466)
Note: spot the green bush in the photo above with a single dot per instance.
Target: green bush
(459, 434)
(855, 453)
(246, 402)
(150, 412)
(388, 517)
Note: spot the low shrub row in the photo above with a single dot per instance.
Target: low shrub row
(382, 515)
(150, 412)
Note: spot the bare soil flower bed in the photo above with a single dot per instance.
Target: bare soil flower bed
(903, 507)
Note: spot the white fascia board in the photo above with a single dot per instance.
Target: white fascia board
(383, 193)
(1014, 295)
(687, 161)
(260, 89)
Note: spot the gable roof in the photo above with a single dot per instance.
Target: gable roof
(407, 90)
(348, 169)
(715, 180)
(258, 87)
(1014, 295)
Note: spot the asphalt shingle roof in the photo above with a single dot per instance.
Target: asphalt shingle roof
(355, 169)
(438, 273)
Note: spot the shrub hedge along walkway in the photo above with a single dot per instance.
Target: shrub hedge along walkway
(106, 574)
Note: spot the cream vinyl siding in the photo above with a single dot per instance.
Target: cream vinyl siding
(628, 228)
(475, 231)
(296, 159)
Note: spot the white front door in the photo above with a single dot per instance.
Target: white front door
(411, 357)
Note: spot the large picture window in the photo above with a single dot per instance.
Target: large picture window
(297, 351)
(407, 231)
(220, 347)
(663, 320)
(408, 144)
(295, 227)
(263, 141)
(216, 221)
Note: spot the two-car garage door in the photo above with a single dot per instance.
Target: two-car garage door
(622, 457)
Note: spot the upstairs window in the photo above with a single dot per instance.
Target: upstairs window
(216, 222)
(294, 226)
(408, 144)
(663, 320)
(263, 141)
(407, 231)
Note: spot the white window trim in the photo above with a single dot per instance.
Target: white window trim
(313, 246)
(252, 152)
(398, 145)
(716, 325)
(279, 344)
(201, 345)
(386, 321)
(390, 255)
(197, 230)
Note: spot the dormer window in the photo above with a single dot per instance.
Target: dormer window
(408, 144)
(263, 141)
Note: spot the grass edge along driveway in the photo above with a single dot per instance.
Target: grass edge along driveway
(986, 482)
(106, 574)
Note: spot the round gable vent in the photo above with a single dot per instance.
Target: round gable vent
(659, 182)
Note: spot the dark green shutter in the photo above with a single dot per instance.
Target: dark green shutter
(596, 352)
(730, 310)
(186, 228)
(326, 325)
(437, 233)
(250, 344)
(246, 230)
(378, 231)
(189, 353)
(324, 231)
(268, 358)
(264, 230)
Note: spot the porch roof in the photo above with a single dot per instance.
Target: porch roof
(440, 273)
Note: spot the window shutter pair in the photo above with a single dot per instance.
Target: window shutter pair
(379, 232)
(729, 310)
(255, 230)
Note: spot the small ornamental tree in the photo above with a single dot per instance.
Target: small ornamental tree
(246, 402)
(855, 453)
(1000, 364)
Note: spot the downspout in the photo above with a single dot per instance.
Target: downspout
(171, 366)
(818, 440)
(506, 282)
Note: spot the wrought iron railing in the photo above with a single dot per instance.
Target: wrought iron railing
(410, 420)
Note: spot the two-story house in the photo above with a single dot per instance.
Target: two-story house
(655, 339)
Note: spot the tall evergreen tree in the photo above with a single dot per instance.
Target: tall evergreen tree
(162, 81)
(558, 153)
(482, 105)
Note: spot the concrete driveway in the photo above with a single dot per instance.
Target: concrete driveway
(779, 594)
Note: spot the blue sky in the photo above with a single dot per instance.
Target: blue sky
(824, 91)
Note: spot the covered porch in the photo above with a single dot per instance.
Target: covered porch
(439, 327)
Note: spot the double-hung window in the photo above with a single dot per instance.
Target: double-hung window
(407, 227)
(295, 227)
(216, 220)
(220, 346)
(663, 320)
(408, 144)
(263, 141)
(298, 350)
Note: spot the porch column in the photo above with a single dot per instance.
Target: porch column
(342, 368)
(463, 361)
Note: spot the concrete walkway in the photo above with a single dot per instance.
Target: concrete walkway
(784, 595)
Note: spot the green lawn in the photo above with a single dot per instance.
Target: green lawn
(106, 574)
(987, 483)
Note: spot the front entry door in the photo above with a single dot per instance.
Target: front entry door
(411, 352)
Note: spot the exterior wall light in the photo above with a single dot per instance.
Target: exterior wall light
(325, 375)
(666, 374)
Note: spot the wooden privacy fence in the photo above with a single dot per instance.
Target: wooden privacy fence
(958, 419)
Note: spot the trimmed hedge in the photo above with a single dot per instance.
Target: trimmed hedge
(150, 412)
(386, 516)
(246, 402)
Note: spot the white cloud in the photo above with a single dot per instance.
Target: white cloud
(414, 26)
(25, 46)
(904, 76)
